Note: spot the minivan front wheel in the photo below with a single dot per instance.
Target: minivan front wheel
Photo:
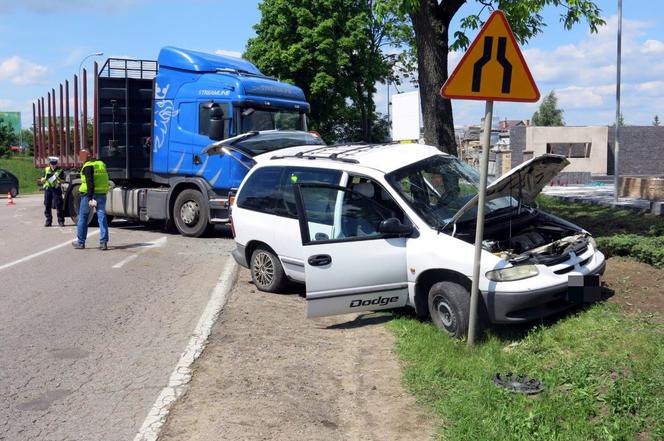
(266, 270)
(449, 306)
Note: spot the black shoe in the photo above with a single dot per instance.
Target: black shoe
(77, 245)
(103, 246)
(61, 224)
(47, 224)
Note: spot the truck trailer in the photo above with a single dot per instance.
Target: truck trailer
(152, 121)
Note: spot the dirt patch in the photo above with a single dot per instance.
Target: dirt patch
(638, 287)
(269, 373)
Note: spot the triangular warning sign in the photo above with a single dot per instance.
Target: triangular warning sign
(493, 68)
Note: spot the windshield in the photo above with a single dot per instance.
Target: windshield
(264, 142)
(437, 187)
(261, 119)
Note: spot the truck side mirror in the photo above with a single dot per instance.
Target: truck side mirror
(216, 124)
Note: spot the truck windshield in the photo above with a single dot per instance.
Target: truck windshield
(437, 187)
(273, 119)
(264, 142)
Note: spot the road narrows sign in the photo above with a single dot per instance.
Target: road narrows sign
(493, 68)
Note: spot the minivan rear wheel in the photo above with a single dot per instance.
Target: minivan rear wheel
(266, 270)
(449, 306)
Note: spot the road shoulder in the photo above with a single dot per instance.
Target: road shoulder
(269, 373)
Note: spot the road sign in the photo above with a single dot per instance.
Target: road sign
(493, 68)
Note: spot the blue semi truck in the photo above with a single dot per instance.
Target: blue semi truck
(153, 120)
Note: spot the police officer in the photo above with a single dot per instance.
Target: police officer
(93, 189)
(51, 181)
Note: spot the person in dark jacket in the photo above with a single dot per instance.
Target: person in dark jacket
(93, 189)
(51, 181)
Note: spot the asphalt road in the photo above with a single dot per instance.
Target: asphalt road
(88, 338)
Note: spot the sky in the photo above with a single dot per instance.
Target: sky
(42, 43)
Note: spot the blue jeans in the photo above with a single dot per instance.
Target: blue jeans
(84, 212)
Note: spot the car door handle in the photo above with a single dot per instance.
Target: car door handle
(320, 260)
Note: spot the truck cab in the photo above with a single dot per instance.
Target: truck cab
(155, 118)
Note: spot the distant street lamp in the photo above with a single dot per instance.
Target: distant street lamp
(616, 144)
(84, 124)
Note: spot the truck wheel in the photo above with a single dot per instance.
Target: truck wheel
(266, 271)
(449, 305)
(75, 205)
(191, 214)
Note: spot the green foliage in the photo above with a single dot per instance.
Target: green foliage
(548, 113)
(333, 50)
(618, 232)
(24, 169)
(645, 249)
(595, 387)
(525, 18)
(7, 138)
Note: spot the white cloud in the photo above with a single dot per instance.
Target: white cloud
(20, 71)
(228, 53)
(653, 47)
(5, 104)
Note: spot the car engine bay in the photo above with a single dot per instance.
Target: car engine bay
(532, 237)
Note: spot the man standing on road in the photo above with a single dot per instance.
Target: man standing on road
(51, 182)
(93, 189)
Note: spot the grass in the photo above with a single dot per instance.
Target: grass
(24, 169)
(602, 372)
(602, 368)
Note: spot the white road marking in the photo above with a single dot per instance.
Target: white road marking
(154, 244)
(122, 263)
(181, 375)
(41, 253)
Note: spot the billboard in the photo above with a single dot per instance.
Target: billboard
(13, 119)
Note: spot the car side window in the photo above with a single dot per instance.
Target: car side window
(3, 175)
(340, 214)
(376, 192)
(301, 175)
(261, 192)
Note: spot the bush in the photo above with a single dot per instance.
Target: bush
(646, 249)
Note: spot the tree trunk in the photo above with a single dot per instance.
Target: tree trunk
(431, 23)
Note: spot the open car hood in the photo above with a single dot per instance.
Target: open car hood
(524, 182)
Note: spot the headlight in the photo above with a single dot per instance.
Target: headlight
(513, 273)
(592, 242)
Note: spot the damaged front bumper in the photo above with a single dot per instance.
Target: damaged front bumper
(534, 304)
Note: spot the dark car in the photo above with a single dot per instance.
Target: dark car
(8, 183)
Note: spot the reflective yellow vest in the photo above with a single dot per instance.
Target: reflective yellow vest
(100, 177)
(50, 171)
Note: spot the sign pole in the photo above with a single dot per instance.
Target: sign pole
(479, 228)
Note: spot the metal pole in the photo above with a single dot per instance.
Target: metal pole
(616, 144)
(77, 132)
(479, 228)
(84, 121)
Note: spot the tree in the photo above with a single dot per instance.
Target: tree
(28, 140)
(7, 138)
(333, 50)
(655, 121)
(548, 113)
(431, 26)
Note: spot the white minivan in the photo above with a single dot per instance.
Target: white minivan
(371, 227)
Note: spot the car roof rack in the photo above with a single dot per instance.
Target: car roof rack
(336, 156)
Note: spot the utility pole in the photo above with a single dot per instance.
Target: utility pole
(616, 149)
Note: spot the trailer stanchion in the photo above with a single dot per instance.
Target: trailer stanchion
(68, 161)
(76, 127)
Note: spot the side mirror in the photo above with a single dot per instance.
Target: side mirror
(394, 227)
(216, 124)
